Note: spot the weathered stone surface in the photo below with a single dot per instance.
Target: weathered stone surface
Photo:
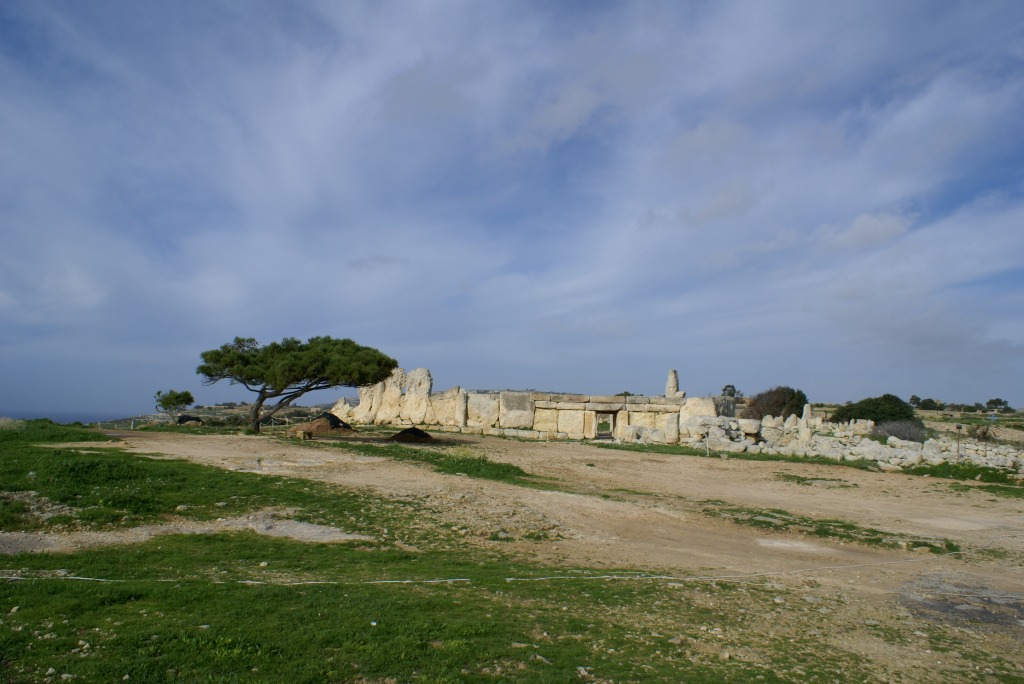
(445, 407)
(416, 402)
(369, 403)
(667, 401)
(668, 425)
(546, 420)
(749, 426)
(642, 419)
(589, 425)
(545, 404)
(571, 405)
(698, 406)
(547, 396)
(604, 406)
(632, 399)
(571, 423)
(482, 409)
(342, 409)
(515, 410)
(391, 399)
(672, 384)
(607, 399)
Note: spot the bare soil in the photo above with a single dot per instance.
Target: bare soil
(626, 510)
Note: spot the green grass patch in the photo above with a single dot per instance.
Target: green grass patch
(203, 609)
(967, 471)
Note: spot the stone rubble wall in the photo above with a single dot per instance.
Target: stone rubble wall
(406, 399)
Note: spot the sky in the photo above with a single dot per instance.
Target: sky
(561, 196)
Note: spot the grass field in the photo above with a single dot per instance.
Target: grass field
(417, 604)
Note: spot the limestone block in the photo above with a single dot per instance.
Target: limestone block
(342, 410)
(698, 406)
(589, 425)
(604, 406)
(571, 423)
(515, 410)
(668, 425)
(416, 402)
(618, 401)
(446, 408)
(771, 422)
(621, 421)
(571, 405)
(750, 426)
(546, 420)
(642, 418)
(481, 409)
(638, 400)
(369, 403)
(537, 403)
(391, 398)
(665, 401)
(546, 396)
(791, 423)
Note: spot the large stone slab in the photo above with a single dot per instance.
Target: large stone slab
(515, 410)
(571, 423)
(482, 410)
(546, 420)
(698, 406)
(416, 402)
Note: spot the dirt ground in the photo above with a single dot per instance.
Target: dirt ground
(644, 511)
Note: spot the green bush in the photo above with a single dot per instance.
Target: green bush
(779, 402)
(883, 409)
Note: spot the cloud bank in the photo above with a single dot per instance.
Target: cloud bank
(569, 197)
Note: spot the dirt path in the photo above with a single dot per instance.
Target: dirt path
(643, 510)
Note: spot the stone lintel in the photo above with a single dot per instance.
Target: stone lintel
(547, 396)
(639, 400)
(607, 400)
(605, 407)
(668, 401)
(570, 406)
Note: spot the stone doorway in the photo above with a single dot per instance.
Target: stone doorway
(605, 425)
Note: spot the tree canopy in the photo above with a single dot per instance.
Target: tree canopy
(288, 369)
(885, 408)
(172, 401)
(780, 402)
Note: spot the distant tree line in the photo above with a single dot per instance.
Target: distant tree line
(997, 404)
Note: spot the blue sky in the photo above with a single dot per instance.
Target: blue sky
(560, 196)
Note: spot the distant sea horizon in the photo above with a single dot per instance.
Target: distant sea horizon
(64, 417)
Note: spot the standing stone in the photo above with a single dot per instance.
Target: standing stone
(369, 403)
(416, 402)
(672, 385)
(391, 398)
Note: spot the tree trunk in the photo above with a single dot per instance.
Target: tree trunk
(254, 412)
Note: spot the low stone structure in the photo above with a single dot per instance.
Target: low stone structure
(406, 399)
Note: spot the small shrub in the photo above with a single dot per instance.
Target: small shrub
(982, 433)
(910, 430)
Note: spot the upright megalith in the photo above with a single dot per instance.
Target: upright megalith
(672, 384)
(391, 398)
(416, 403)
